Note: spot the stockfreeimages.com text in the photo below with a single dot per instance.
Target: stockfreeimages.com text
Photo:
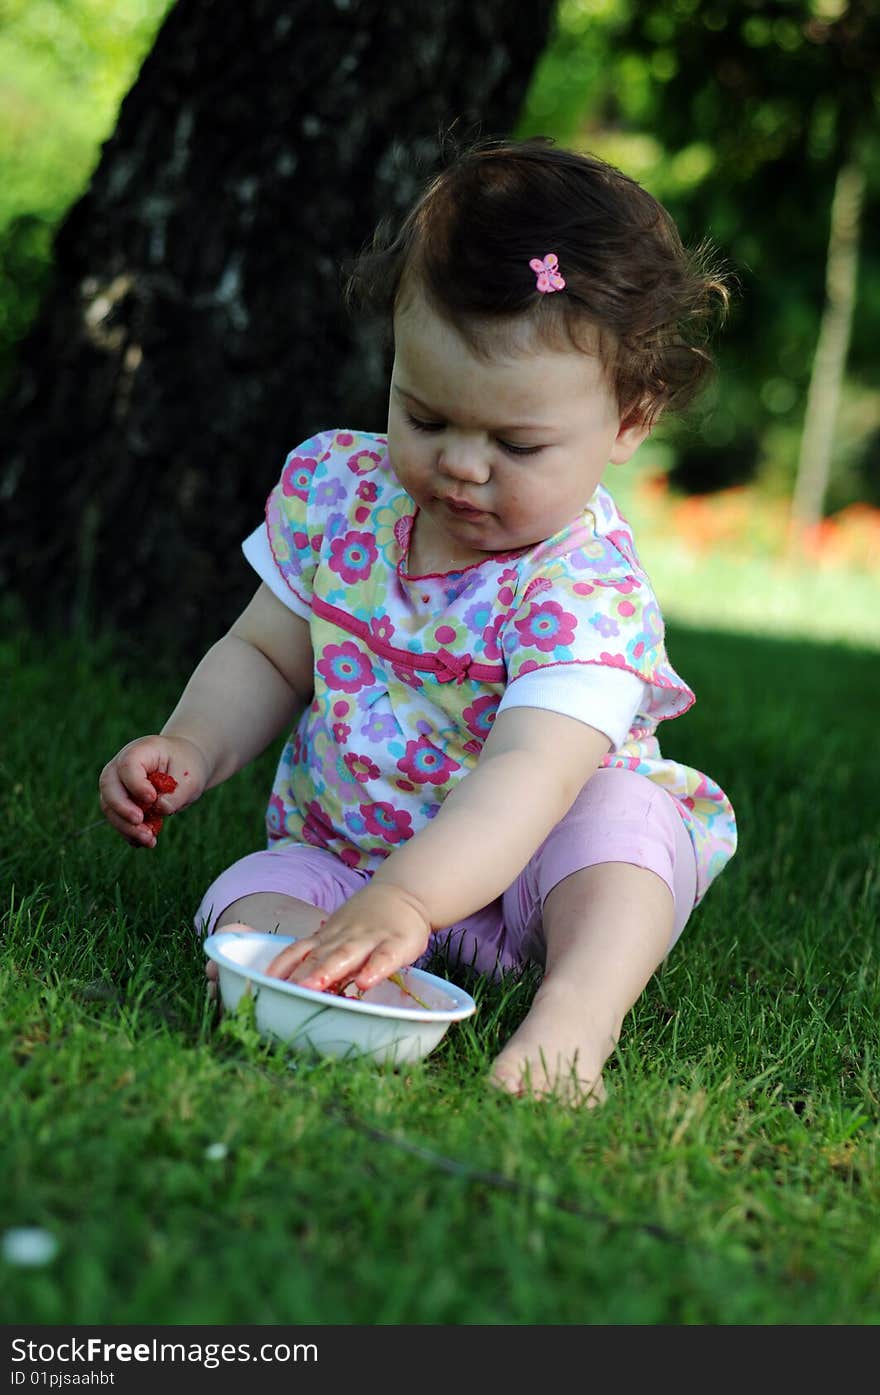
(207, 1354)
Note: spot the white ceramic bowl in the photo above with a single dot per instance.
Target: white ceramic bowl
(386, 1024)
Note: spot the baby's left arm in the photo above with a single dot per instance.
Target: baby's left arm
(531, 770)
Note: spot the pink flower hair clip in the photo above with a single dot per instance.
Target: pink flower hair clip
(549, 279)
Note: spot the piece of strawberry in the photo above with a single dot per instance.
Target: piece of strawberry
(153, 822)
(162, 783)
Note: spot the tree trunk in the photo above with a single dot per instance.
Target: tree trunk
(196, 330)
(829, 363)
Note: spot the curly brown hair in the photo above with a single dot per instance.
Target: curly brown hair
(633, 292)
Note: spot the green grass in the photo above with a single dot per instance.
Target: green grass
(731, 1178)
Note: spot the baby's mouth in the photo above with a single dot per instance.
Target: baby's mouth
(461, 509)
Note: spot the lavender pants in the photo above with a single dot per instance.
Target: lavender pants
(618, 816)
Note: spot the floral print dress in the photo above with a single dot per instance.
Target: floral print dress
(410, 670)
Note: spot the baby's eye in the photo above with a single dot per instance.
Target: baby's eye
(423, 425)
(519, 450)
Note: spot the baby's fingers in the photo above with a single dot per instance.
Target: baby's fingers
(146, 782)
(325, 966)
(122, 813)
(283, 965)
(354, 961)
(385, 959)
(117, 801)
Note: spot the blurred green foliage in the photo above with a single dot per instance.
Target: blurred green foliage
(65, 66)
(735, 113)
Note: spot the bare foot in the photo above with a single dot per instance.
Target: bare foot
(538, 1075)
(554, 1052)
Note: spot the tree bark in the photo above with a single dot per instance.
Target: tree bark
(195, 330)
(829, 362)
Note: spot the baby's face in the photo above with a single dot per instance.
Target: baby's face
(497, 453)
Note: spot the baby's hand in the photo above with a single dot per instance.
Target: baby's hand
(381, 929)
(134, 803)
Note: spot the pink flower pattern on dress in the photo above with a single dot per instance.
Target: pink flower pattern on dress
(547, 626)
(382, 819)
(612, 660)
(352, 556)
(480, 717)
(344, 668)
(363, 461)
(296, 479)
(383, 628)
(361, 768)
(491, 636)
(424, 763)
(317, 828)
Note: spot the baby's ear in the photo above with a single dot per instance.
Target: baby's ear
(634, 428)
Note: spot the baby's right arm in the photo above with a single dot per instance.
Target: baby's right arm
(245, 691)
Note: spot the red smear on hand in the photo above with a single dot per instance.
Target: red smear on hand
(162, 783)
(337, 987)
(340, 989)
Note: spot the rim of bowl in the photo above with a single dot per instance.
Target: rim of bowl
(213, 947)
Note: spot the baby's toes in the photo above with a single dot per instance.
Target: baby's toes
(525, 1075)
(509, 1075)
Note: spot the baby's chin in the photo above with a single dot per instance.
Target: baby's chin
(481, 533)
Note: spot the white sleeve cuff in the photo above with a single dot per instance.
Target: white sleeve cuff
(600, 695)
(258, 552)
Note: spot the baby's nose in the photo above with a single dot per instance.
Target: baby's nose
(465, 460)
